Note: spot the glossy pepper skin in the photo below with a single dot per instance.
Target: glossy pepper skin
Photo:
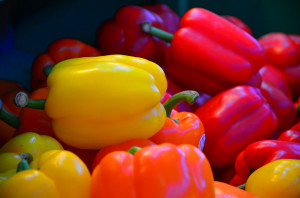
(238, 22)
(128, 39)
(29, 142)
(232, 120)
(284, 53)
(57, 51)
(84, 114)
(224, 190)
(206, 43)
(158, 171)
(124, 146)
(263, 152)
(277, 179)
(290, 135)
(56, 173)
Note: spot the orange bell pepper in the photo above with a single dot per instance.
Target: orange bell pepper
(157, 171)
(180, 127)
(125, 146)
(224, 190)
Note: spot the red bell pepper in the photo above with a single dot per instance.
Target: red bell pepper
(238, 22)
(232, 120)
(122, 35)
(284, 53)
(275, 77)
(282, 106)
(159, 171)
(209, 54)
(262, 152)
(290, 135)
(171, 19)
(181, 127)
(125, 146)
(57, 51)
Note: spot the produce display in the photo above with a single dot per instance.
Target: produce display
(161, 106)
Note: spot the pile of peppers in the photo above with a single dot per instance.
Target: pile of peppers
(165, 107)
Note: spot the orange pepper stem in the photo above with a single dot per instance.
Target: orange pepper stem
(134, 149)
(147, 27)
(21, 99)
(8, 117)
(189, 96)
(24, 163)
(242, 186)
(47, 69)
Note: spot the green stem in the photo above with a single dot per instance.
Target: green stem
(189, 96)
(21, 99)
(147, 27)
(47, 69)
(134, 149)
(24, 163)
(243, 186)
(298, 110)
(8, 117)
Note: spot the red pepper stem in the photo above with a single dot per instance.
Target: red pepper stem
(21, 99)
(47, 69)
(147, 27)
(24, 163)
(134, 149)
(189, 96)
(242, 186)
(8, 117)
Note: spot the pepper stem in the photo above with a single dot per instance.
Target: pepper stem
(147, 27)
(134, 149)
(47, 69)
(8, 117)
(189, 96)
(21, 99)
(24, 163)
(243, 186)
(298, 110)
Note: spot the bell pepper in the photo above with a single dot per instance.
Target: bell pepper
(55, 173)
(224, 190)
(282, 106)
(157, 171)
(283, 53)
(181, 127)
(29, 142)
(85, 106)
(263, 152)
(209, 54)
(128, 39)
(290, 135)
(275, 77)
(277, 179)
(232, 120)
(238, 22)
(8, 89)
(58, 51)
(170, 18)
(124, 146)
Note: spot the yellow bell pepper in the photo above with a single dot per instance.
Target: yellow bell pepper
(29, 142)
(99, 101)
(56, 174)
(277, 179)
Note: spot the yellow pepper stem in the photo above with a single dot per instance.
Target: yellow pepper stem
(24, 164)
(188, 96)
(134, 149)
(8, 117)
(21, 99)
(147, 27)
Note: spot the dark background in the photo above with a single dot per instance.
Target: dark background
(27, 27)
